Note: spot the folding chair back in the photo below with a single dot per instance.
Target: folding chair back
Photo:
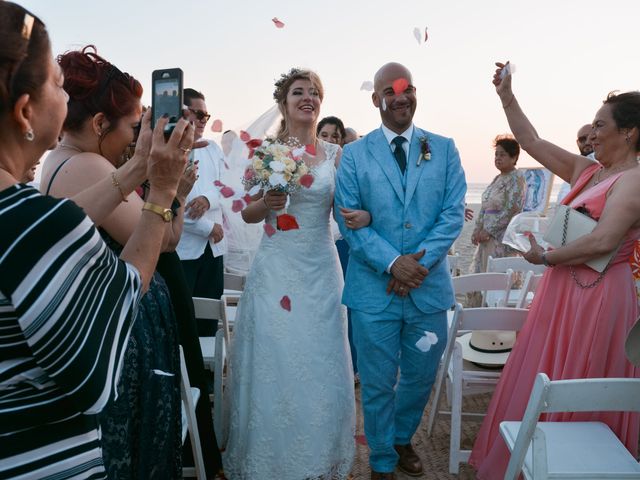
(210, 309)
(528, 289)
(234, 282)
(190, 396)
(572, 449)
(516, 264)
(500, 282)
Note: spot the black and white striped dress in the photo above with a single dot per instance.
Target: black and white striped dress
(67, 305)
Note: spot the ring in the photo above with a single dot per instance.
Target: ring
(184, 149)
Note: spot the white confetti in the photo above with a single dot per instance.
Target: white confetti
(164, 374)
(367, 86)
(424, 343)
(384, 104)
(418, 34)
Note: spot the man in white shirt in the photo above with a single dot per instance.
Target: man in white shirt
(202, 244)
(586, 150)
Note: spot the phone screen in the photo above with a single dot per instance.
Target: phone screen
(167, 99)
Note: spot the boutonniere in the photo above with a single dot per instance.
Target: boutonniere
(425, 152)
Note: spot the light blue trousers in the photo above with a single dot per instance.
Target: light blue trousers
(393, 405)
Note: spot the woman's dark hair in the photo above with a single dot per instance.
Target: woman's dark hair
(24, 54)
(625, 108)
(509, 144)
(94, 85)
(331, 121)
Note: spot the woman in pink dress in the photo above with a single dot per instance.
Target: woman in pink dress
(579, 318)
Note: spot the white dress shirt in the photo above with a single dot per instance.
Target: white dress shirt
(195, 233)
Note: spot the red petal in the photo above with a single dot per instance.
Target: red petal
(244, 136)
(247, 199)
(226, 192)
(253, 143)
(216, 126)
(277, 22)
(285, 302)
(268, 229)
(306, 180)
(249, 173)
(310, 149)
(361, 440)
(237, 206)
(426, 35)
(287, 222)
(218, 183)
(400, 85)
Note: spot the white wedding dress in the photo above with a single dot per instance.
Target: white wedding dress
(292, 406)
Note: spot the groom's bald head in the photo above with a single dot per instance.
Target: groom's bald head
(391, 70)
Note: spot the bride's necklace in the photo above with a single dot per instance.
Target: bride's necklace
(597, 178)
(294, 142)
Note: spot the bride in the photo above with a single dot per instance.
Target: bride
(292, 407)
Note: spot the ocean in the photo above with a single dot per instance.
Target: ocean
(474, 192)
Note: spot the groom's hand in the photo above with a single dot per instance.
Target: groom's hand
(407, 270)
(397, 287)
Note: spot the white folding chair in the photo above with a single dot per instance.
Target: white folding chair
(210, 309)
(454, 261)
(465, 378)
(220, 406)
(516, 264)
(498, 282)
(520, 266)
(529, 286)
(584, 450)
(190, 396)
(234, 283)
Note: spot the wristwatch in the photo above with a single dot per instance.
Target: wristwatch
(165, 213)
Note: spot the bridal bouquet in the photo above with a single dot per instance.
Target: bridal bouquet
(279, 167)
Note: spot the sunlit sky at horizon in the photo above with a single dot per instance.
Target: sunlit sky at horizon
(568, 56)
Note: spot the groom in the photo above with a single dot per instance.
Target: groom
(398, 285)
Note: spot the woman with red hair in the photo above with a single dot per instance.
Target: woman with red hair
(141, 428)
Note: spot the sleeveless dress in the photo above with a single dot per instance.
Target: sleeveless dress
(570, 332)
(292, 406)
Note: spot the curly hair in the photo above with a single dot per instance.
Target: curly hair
(283, 84)
(510, 145)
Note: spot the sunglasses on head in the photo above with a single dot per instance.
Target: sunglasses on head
(200, 115)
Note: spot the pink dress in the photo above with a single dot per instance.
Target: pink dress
(571, 332)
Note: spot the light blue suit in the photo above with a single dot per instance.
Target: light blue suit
(421, 210)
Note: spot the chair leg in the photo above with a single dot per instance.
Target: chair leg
(435, 404)
(456, 410)
(192, 423)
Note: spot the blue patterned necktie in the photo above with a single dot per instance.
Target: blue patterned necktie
(401, 157)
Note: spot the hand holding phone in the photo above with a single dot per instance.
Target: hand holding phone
(167, 97)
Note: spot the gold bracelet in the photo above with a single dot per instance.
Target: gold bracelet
(509, 102)
(116, 184)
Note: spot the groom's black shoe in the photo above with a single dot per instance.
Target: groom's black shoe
(409, 461)
(382, 476)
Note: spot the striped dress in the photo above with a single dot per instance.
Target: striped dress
(67, 306)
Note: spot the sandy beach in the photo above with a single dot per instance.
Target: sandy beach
(463, 246)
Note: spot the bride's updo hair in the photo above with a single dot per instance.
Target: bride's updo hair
(283, 84)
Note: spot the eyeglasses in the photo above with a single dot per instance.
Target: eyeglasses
(200, 115)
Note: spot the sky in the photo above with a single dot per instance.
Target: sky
(568, 55)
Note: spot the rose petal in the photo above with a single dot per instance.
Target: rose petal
(400, 85)
(286, 222)
(367, 86)
(254, 143)
(418, 34)
(218, 183)
(361, 440)
(247, 199)
(306, 180)
(426, 35)
(237, 206)
(285, 302)
(277, 22)
(310, 149)
(226, 192)
(268, 229)
(216, 126)
(244, 136)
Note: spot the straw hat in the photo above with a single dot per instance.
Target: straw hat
(632, 345)
(488, 348)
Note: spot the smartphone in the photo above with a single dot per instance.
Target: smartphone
(166, 86)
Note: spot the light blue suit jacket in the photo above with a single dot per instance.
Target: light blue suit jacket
(426, 214)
